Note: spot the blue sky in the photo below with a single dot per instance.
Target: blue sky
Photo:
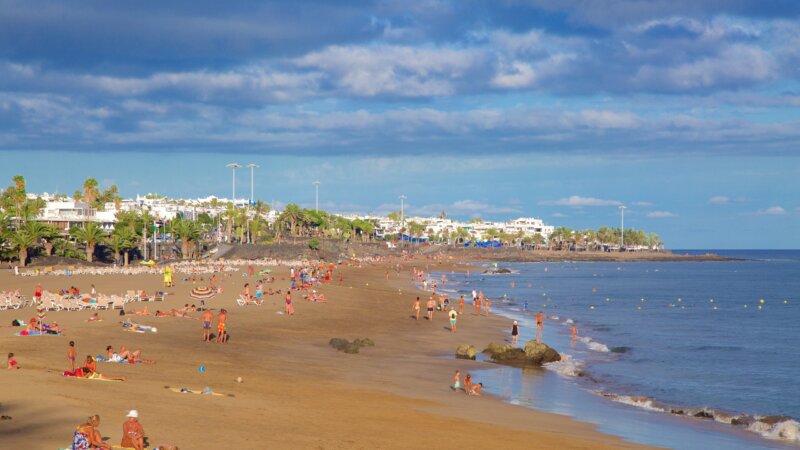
(688, 112)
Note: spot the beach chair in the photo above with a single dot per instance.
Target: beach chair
(241, 301)
(131, 296)
(159, 297)
(143, 297)
(117, 302)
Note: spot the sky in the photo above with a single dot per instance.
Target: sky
(687, 112)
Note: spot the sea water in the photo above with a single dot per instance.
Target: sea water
(678, 354)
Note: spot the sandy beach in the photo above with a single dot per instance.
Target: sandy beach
(296, 391)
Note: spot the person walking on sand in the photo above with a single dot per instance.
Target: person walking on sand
(453, 318)
(132, 432)
(539, 326)
(430, 306)
(514, 333)
(415, 309)
(207, 318)
(486, 304)
(457, 381)
(461, 305)
(222, 326)
(467, 383)
(72, 355)
(289, 309)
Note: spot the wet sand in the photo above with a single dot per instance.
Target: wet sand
(297, 391)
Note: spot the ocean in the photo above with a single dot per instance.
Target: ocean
(686, 355)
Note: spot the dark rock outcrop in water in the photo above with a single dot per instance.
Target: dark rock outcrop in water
(350, 347)
(534, 354)
(496, 271)
(466, 351)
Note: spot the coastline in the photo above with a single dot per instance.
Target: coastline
(387, 396)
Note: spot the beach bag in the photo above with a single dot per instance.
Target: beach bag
(121, 312)
(79, 441)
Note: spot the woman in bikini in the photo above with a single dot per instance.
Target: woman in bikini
(89, 370)
(87, 436)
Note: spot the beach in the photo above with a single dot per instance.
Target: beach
(296, 391)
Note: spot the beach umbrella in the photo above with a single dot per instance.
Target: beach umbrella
(202, 293)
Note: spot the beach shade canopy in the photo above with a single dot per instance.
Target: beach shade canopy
(202, 293)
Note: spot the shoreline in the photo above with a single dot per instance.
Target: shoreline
(292, 378)
(773, 429)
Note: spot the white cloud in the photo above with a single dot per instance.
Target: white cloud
(578, 201)
(515, 75)
(559, 215)
(772, 211)
(660, 214)
(394, 70)
(719, 200)
(463, 208)
(642, 204)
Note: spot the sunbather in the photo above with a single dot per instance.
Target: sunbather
(88, 436)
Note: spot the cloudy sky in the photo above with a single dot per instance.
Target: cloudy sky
(686, 111)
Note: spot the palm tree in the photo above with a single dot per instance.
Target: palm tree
(90, 192)
(538, 240)
(39, 231)
(91, 234)
(123, 240)
(293, 215)
(21, 240)
(189, 233)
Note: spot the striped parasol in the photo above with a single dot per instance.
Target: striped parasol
(41, 311)
(202, 293)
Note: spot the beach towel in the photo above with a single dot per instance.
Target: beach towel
(35, 333)
(205, 391)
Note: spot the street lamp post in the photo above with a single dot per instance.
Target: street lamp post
(234, 166)
(402, 216)
(316, 201)
(251, 167)
(622, 226)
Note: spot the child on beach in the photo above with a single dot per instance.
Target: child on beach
(486, 304)
(476, 389)
(457, 381)
(72, 355)
(461, 305)
(11, 364)
(539, 326)
(467, 383)
(514, 333)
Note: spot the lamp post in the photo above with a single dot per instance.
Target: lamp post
(622, 226)
(251, 167)
(234, 166)
(316, 195)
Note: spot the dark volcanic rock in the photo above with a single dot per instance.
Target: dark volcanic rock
(466, 351)
(534, 354)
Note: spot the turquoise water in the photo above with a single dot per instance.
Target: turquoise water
(656, 339)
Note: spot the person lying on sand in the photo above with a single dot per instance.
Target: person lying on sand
(94, 318)
(88, 436)
(123, 355)
(89, 370)
(143, 312)
(174, 313)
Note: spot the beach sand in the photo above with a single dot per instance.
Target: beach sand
(297, 391)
